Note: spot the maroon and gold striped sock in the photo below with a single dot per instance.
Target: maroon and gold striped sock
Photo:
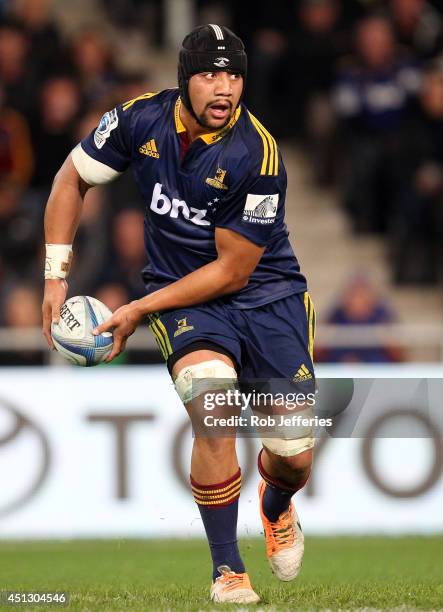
(218, 506)
(277, 495)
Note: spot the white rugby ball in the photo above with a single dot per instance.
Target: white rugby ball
(73, 336)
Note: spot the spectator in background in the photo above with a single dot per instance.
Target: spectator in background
(16, 77)
(417, 229)
(46, 54)
(267, 37)
(21, 311)
(145, 15)
(113, 295)
(22, 306)
(294, 46)
(417, 26)
(131, 85)
(127, 255)
(16, 156)
(19, 229)
(20, 232)
(316, 44)
(53, 128)
(91, 243)
(95, 69)
(361, 305)
(372, 97)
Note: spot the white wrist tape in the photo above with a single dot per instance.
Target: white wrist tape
(58, 260)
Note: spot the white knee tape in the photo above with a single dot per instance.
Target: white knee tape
(194, 380)
(288, 448)
(292, 439)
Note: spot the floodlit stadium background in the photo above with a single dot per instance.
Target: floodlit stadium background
(82, 451)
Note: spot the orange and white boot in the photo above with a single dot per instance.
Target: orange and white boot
(230, 587)
(284, 541)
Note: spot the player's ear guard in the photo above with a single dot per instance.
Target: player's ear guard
(194, 380)
(58, 260)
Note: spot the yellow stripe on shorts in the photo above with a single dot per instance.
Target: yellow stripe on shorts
(161, 334)
(165, 335)
(158, 337)
(310, 314)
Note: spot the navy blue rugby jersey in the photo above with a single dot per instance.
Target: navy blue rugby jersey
(233, 178)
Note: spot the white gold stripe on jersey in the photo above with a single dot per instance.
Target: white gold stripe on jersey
(218, 31)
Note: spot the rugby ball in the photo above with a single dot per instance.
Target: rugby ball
(72, 334)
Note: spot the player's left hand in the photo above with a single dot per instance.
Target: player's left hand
(122, 324)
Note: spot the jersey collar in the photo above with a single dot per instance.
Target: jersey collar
(211, 137)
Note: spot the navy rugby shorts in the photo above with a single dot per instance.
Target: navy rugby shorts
(271, 341)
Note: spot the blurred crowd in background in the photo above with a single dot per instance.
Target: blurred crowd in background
(359, 85)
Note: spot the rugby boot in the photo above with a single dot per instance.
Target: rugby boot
(230, 587)
(284, 541)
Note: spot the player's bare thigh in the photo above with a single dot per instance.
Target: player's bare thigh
(213, 457)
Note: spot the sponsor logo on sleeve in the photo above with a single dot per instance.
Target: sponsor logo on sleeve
(261, 209)
(108, 122)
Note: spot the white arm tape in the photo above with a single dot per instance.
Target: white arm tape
(92, 171)
(58, 260)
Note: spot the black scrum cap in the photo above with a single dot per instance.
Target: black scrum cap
(209, 48)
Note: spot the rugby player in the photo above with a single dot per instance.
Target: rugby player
(224, 293)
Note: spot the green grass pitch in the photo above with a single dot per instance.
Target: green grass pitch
(346, 573)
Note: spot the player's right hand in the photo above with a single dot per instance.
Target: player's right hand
(56, 290)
